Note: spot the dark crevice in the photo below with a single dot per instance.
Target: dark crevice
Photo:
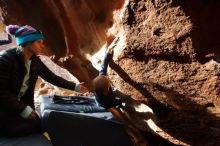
(100, 17)
(176, 3)
(182, 39)
(194, 113)
(77, 4)
(153, 2)
(205, 26)
(158, 32)
(131, 15)
(173, 57)
(140, 55)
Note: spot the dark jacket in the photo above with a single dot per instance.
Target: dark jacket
(6, 41)
(12, 72)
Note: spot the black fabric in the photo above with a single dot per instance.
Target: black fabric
(79, 130)
(12, 72)
(16, 126)
(108, 101)
(31, 140)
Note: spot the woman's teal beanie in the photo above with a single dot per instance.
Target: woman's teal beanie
(24, 34)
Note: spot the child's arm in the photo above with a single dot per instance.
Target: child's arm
(108, 57)
(105, 63)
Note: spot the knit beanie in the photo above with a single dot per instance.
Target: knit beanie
(24, 34)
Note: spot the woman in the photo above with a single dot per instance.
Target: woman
(19, 70)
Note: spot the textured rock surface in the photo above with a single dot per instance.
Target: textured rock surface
(159, 52)
(167, 56)
(166, 52)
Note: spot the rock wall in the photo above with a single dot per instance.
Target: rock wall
(169, 54)
(168, 51)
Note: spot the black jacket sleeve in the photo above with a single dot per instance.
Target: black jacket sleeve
(49, 76)
(7, 41)
(8, 101)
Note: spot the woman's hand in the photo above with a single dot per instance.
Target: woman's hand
(80, 88)
(83, 89)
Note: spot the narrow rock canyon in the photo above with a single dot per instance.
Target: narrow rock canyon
(168, 54)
